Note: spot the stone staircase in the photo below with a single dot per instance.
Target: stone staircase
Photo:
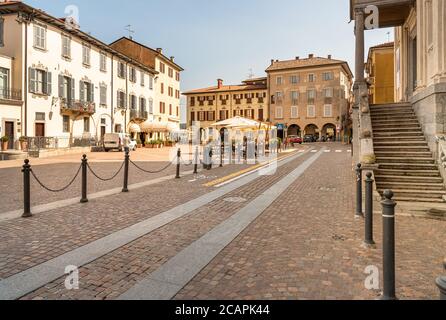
(406, 164)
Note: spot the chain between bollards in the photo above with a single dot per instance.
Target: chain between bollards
(26, 190)
(359, 213)
(441, 284)
(178, 164)
(389, 292)
(369, 242)
(126, 172)
(84, 198)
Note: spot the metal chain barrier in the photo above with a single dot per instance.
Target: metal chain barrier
(56, 190)
(106, 179)
(186, 164)
(148, 171)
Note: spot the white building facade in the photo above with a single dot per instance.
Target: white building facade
(73, 87)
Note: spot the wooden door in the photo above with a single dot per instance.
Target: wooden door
(40, 129)
(9, 132)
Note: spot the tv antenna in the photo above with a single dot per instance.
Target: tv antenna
(251, 74)
(388, 36)
(129, 29)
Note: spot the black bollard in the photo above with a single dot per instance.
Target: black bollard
(197, 157)
(126, 172)
(222, 154)
(26, 190)
(441, 284)
(359, 213)
(84, 198)
(178, 164)
(369, 211)
(389, 246)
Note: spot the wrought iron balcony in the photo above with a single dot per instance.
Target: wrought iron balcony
(138, 114)
(77, 106)
(11, 94)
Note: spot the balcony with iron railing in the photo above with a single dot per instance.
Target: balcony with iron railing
(10, 94)
(138, 114)
(77, 106)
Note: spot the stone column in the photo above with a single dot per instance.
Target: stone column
(360, 50)
(359, 79)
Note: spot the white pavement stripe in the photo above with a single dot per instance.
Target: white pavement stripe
(327, 151)
(338, 151)
(314, 151)
(36, 277)
(170, 278)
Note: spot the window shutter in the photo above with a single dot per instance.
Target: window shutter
(81, 91)
(32, 80)
(48, 83)
(118, 99)
(60, 86)
(73, 88)
(91, 92)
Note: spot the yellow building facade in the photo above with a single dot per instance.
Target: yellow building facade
(380, 69)
(221, 102)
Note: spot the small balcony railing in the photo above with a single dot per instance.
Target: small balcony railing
(11, 94)
(139, 114)
(77, 106)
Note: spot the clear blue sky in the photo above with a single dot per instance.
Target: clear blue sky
(224, 38)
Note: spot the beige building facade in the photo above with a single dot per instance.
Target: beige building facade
(310, 96)
(167, 84)
(221, 102)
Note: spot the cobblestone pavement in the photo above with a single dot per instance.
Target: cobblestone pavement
(27, 242)
(308, 246)
(113, 274)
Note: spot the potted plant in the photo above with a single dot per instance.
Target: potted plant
(168, 143)
(150, 144)
(4, 140)
(23, 143)
(138, 143)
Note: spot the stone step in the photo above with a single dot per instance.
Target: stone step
(408, 129)
(379, 148)
(398, 134)
(408, 179)
(391, 105)
(412, 143)
(402, 138)
(393, 113)
(426, 160)
(411, 122)
(424, 194)
(381, 154)
(391, 116)
(407, 166)
(418, 199)
(383, 185)
(408, 173)
(377, 125)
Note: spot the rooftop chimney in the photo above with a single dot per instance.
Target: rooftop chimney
(297, 58)
(272, 61)
(311, 56)
(220, 83)
(160, 50)
(172, 59)
(329, 56)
